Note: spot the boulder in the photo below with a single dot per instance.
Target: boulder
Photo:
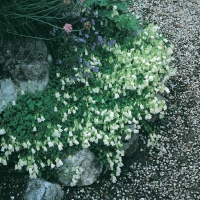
(79, 168)
(38, 189)
(130, 146)
(26, 61)
(8, 93)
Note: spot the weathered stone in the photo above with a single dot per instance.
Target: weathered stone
(26, 61)
(38, 189)
(8, 93)
(79, 168)
(130, 146)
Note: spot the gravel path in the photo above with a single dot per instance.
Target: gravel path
(171, 171)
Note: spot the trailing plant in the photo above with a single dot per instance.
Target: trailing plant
(101, 82)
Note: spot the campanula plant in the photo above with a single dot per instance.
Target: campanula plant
(100, 83)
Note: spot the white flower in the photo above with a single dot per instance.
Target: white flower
(22, 92)
(34, 129)
(99, 136)
(127, 137)
(66, 96)
(13, 103)
(65, 102)
(63, 87)
(114, 7)
(39, 120)
(141, 107)
(57, 94)
(136, 131)
(28, 143)
(70, 143)
(148, 116)
(116, 96)
(33, 151)
(4, 162)
(112, 143)
(56, 133)
(96, 121)
(2, 148)
(58, 162)
(111, 164)
(42, 165)
(96, 90)
(25, 145)
(58, 75)
(169, 51)
(86, 84)
(55, 109)
(63, 82)
(76, 142)
(30, 170)
(167, 90)
(10, 147)
(42, 118)
(52, 165)
(50, 144)
(86, 52)
(60, 146)
(45, 149)
(2, 131)
(105, 141)
(113, 178)
(75, 99)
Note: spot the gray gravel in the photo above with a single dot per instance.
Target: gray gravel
(171, 171)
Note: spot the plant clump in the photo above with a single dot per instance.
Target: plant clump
(104, 79)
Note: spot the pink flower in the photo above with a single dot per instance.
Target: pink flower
(68, 28)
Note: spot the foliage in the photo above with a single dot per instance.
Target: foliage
(35, 19)
(104, 79)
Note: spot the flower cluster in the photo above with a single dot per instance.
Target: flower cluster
(68, 28)
(91, 104)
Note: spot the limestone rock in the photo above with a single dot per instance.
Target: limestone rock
(26, 60)
(79, 168)
(8, 93)
(131, 145)
(38, 189)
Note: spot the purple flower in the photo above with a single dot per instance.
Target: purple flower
(55, 29)
(59, 62)
(80, 33)
(87, 64)
(100, 38)
(111, 42)
(86, 35)
(96, 13)
(93, 47)
(86, 75)
(52, 33)
(83, 19)
(82, 40)
(96, 33)
(95, 69)
(92, 22)
(74, 78)
(80, 60)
